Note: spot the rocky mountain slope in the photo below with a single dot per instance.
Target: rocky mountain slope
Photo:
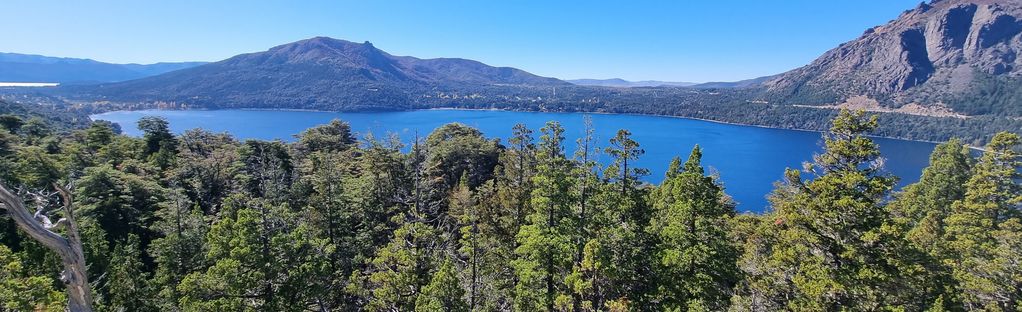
(321, 73)
(956, 54)
(16, 67)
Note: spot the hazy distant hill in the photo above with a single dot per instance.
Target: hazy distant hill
(961, 55)
(621, 83)
(16, 67)
(747, 83)
(320, 73)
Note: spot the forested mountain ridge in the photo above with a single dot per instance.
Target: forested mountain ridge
(458, 222)
(317, 73)
(948, 54)
(16, 67)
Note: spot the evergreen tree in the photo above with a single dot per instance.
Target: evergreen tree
(920, 210)
(982, 229)
(128, 285)
(262, 257)
(545, 250)
(160, 143)
(835, 241)
(402, 268)
(443, 293)
(690, 224)
(22, 291)
(180, 250)
(627, 209)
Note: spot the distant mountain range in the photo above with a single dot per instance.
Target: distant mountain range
(946, 58)
(741, 84)
(621, 83)
(16, 67)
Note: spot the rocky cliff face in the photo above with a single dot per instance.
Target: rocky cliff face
(928, 54)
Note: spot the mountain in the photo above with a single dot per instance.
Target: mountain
(621, 83)
(957, 55)
(16, 67)
(741, 84)
(321, 73)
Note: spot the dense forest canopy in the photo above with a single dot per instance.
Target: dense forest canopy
(204, 222)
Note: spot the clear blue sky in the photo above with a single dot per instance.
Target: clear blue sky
(677, 40)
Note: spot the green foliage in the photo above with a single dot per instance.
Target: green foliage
(833, 233)
(333, 137)
(262, 257)
(128, 285)
(22, 291)
(982, 229)
(545, 246)
(443, 293)
(697, 261)
(202, 222)
(11, 123)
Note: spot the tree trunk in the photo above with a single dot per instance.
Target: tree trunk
(75, 276)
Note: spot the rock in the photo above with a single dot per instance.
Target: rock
(932, 49)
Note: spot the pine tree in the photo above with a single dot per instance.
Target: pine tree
(690, 224)
(402, 268)
(262, 257)
(22, 291)
(922, 206)
(179, 251)
(128, 285)
(545, 248)
(625, 206)
(443, 293)
(919, 211)
(834, 238)
(982, 229)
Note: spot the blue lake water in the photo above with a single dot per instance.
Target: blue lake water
(748, 159)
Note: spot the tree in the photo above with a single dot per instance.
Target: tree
(455, 150)
(982, 229)
(69, 248)
(267, 169)
(920, 210)
(402, 268)
(443, 293)
(179, 251)
(160, 144)
(545, 250)
(922, 206)
(11, 123)
(333, 137)
(121, 203)
(98, 135)
(834, 237)
(128, 285)
(628, 211)
(262, 256)
(20, 291)
(34, 130)
(208, 168)
(690, 225)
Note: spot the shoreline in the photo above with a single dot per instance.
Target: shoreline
(539, 112)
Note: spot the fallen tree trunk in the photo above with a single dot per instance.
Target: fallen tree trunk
(38, 227)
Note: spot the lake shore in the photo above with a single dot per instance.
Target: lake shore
(976, 148)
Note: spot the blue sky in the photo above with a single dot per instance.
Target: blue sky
(679, 40)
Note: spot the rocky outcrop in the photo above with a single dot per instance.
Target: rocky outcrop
(935, 49)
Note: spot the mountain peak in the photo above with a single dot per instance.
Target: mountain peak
(321, 72)
(933, 52)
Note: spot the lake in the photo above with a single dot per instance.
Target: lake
(748, 159)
